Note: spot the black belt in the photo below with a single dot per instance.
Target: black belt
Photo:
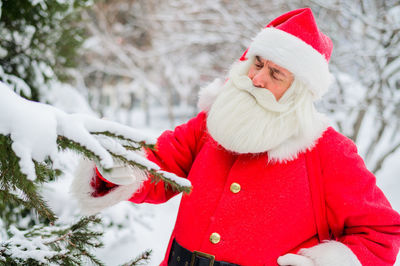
(180, 256)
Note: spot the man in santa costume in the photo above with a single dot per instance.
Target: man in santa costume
(273, 184)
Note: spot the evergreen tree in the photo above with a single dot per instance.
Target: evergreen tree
(28, 145)
(39, 40)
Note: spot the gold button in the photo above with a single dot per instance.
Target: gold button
(215, 238)
(235, 187)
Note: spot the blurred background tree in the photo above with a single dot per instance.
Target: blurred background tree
(39, 40)
(149, 55)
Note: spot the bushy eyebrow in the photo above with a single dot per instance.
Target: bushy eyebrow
(275, 70)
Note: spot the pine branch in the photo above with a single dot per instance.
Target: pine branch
(154, 175)
(65, 143)
(13, 181)
(142, 259)
(120, 137)
(59, 244)
(45, 171)
(36, 201)
(14, 210)
(131, 148)
(157, 177)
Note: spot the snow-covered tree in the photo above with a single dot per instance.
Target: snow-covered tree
(38, 40)
(31, 136)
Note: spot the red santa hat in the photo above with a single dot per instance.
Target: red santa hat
(294, 42)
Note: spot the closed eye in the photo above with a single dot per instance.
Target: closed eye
(272, 74)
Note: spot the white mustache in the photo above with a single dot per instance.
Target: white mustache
(263, 96)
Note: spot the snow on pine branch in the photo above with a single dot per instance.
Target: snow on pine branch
(53, 245)
(36, 128)
(134, 158)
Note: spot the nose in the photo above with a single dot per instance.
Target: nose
(260, 79)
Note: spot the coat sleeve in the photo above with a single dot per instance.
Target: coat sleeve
(358, 213)
(175, 152)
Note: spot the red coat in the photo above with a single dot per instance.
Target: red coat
(272, 214)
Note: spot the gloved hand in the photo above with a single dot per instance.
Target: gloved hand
(100, 185)
(95, 193)
(103, 183)
(294, 260)
(122, 174)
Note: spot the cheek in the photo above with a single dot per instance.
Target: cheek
(280, 90)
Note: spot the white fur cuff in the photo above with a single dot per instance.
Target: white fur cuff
(82, 190)
(331, 253)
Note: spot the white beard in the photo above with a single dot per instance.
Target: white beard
(247, 119)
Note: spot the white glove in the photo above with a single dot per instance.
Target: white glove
(294, 260)
(121, 174)
(124, 175)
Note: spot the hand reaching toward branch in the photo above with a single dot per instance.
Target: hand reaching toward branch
(36, 132)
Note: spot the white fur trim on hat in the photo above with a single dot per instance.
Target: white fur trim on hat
(82, 190)
(331, 253)
(290, 52)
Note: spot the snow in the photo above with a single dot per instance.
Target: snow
(67, 98)
(22, 248)
(130, 229)
(183, 63)
(13, 81)
(19, 117)
(394, 16)
(179, 180)
(116, 148)
(34, 128)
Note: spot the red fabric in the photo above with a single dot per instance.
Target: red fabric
(313, 164)
(272, 214)
(301, 24)
(358, 213)
(100, 185)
